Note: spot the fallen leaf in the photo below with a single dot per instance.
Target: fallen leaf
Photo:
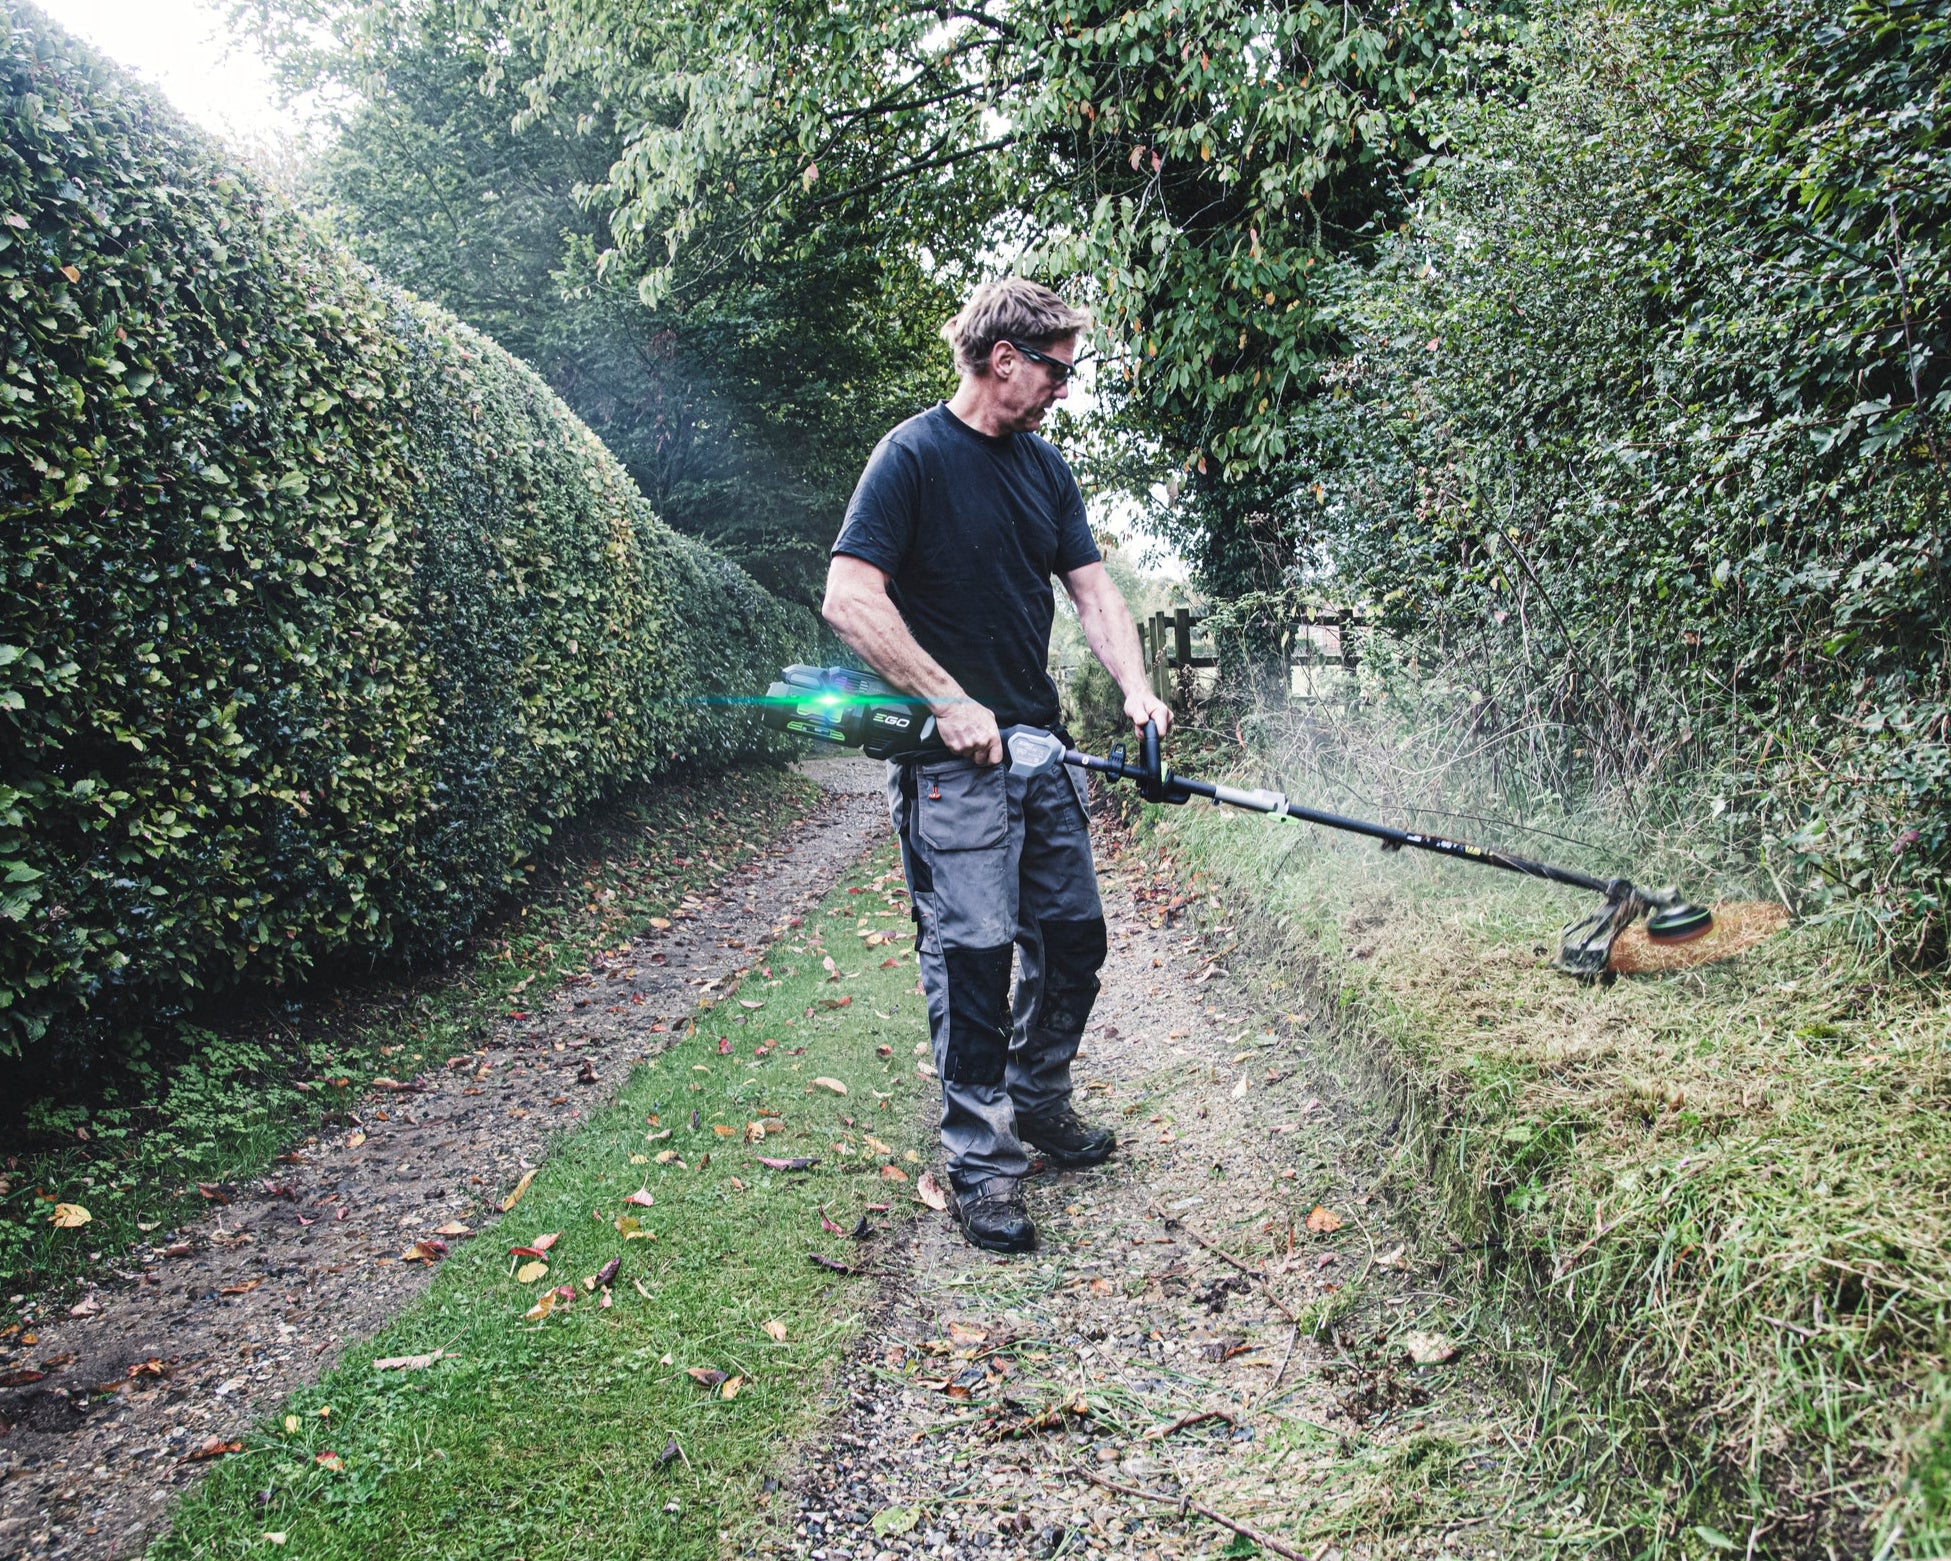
(893, 1173)
(795, 1163)
(87, 1306)
(1322, 1220)
(515, 1197)
(895, 1520)
(705, 1376)
(214, 1447)
(607, 1273)
(542, 1243)
(244, 1289)
(929, 1191)
(69, 1216)
(408, 1362)
(1396, 1259)
(755, 1132)
(831, 1266)
(730, 1389)
(216, 1194)
(525, 1252)
(836, 1002)
(1241, 1088)
(606, 1303)
(722, 1130)
(876, 1145)
(528, 1273)
(661, 923)
(966, 1333)
(667, 1156)
(329, 1460)
(1429, 1349)
(641, 1198)
(352, 1141)
(71, 273)
(776, 1331)
(745, 1002)
(431, 1250)
(833, 1084)
(828, 1226)
(544, 1304)
(452, 1228)
(273, 1537)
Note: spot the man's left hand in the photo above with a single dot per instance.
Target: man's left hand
(1146, 706)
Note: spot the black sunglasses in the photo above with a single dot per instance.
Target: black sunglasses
(1063, 373)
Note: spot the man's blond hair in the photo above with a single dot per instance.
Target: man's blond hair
(1012, 308)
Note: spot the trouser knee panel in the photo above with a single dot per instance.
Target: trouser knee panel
(1073, 954)
(978, 1014)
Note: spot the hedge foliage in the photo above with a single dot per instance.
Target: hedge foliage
(319, 606)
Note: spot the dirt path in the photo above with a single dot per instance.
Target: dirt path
(990, 1388)
(108, 1411)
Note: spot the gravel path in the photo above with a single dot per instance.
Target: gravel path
(989, 1388)
(112, 1412)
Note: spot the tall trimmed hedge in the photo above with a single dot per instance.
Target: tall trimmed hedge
(319, 607)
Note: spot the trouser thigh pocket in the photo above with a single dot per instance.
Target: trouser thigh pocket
(961, 806)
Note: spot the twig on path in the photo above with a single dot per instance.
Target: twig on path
(1221, 1253)
(1293, 1339)
(1186, 1504)
(1196, 1417)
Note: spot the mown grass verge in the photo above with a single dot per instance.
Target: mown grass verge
(581, 1433)
(231, 1089)
(1719, 1194)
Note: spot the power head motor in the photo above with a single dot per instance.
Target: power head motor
(850, 709)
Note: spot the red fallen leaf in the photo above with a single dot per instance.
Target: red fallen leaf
(525, 1252)
(724, 1046)
(215, 1447)
(704, 1160)
(828, 1226)
(303, 1221)
(893, 1173)
(329, 1460)
(878, 1208)
(836, 1002)
(344, 1214)
(565, 1293)
(272, 1190)
(20, 1379)
(396, 1086)
(886, 962)
(607, 1273)
(214, 1194)
(831, 1266)
(431, 1250)
(543, 1243)
(244, 1289)
(518, 1013)
(290, 1157)
(641, 1197)
(798, 1162)
(705, 1376)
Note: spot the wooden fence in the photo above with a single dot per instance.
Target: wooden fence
(1323, 638)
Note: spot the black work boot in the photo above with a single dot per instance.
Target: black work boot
(992, 1215)
(1067, 1138)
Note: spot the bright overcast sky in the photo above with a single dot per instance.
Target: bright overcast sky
(186, 48)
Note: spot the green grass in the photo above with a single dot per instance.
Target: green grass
(214, 1101)
(1719, 1194)
(546, 1439)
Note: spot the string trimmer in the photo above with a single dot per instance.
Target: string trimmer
(845, 708)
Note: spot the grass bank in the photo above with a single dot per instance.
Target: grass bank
(635, 1418)
(1721, 1194)
(216, 1099)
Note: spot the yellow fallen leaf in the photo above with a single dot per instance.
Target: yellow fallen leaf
(666, 1156)
(452, 1228)
(776, 1331)
(542, 1307)
(722, 1130)
(876, 1145)
(515, 1197)
(833, 1084)
(731, 1387)
(661, 923)
(291, 1425)
(640, 1159)
(531, 1271)
(69, 1216)
(354, 1140)
(755, 1132)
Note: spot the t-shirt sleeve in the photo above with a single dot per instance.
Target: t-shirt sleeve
(1076, 547)
(881, 516)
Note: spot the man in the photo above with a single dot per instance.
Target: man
(940, 580)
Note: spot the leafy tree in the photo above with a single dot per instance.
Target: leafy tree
(744, 407)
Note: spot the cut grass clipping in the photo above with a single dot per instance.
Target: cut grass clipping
(633, 1417)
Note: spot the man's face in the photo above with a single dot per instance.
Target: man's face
(1026, 388)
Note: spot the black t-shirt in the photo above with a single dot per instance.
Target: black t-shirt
(969, 530)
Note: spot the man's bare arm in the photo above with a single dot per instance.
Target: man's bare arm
(859, 610)
(1113, 640)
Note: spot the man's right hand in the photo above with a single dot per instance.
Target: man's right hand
(970, 731)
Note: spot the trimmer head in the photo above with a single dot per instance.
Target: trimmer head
(1679, 923)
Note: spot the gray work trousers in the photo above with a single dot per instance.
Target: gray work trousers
(998, 861)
